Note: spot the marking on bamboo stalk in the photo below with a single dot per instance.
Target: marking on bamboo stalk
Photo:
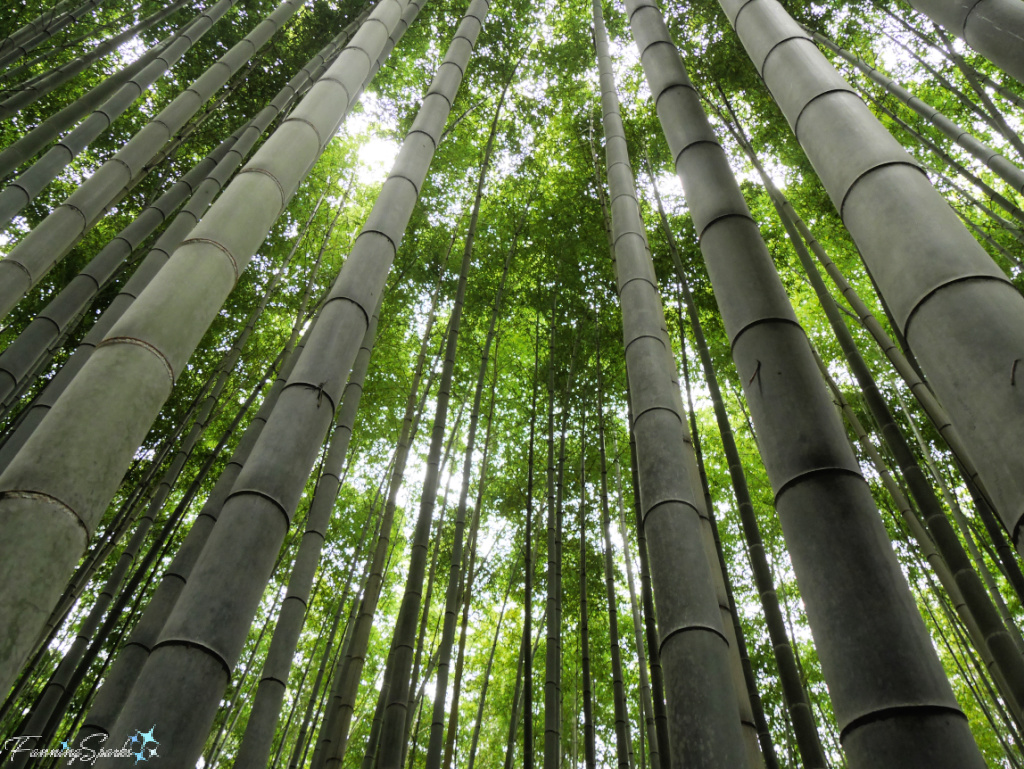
(757, 371)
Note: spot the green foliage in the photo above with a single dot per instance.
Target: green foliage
(547, 169)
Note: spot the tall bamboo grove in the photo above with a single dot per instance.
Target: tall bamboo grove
(250, 249)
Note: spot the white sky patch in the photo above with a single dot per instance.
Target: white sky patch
(377, 157)
(133, 49)
(891, 59)
(377, 122)
(775, 172)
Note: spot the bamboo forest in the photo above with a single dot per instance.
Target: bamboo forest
(479, 384)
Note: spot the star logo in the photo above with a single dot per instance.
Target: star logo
(144, 745)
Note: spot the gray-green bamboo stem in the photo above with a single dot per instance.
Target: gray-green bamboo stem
(647, 600)
(19, 358)
(553, 598)
(623, 740)
(200, 198)
(993, 28)
(59, 688)
(921, 535)
(325, 659)
(32, 35)
(995, 634)
(992, 159)
(767, 755)
(943, 304)
(33, 257)
(259, 730)
(132, 657)
(701, 700)
(30, 92)
(526, 657)
(794, 695)
(969, 536)
(475, 740)
(589, 728)
(199, 185)
(828, 515)
(435, 743)
(20, 192)
(397, 710)
(334, 735)
(35, 140)
(150, 345)
(646, 700)
(1002, 201)
(974, 78)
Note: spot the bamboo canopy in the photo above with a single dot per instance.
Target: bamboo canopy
(408, 383)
